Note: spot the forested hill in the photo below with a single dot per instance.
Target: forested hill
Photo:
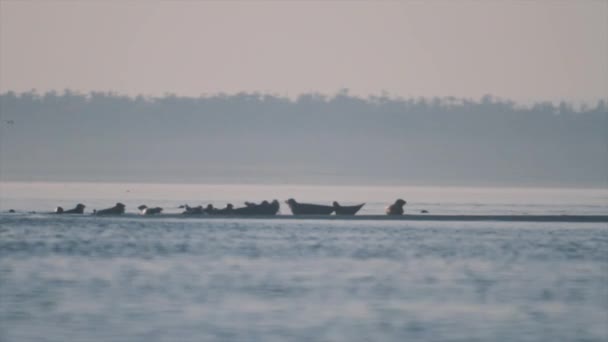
(313, 139)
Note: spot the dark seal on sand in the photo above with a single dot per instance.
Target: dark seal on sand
(117, 209)
(396, 208)
(144, 210)
(228, 210)
(253, 209)
(79, 209)
(308, 209)
(192, 210)
(347, 210)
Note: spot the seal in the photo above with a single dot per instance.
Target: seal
(117, 209)
(346, 210)
(396, 208)
(192, 210)
(253, 209)
(79, 209)
(225, 211)
(144, 210)
(308, 209)
(210, 210)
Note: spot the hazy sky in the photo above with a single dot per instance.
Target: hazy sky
(524, 50)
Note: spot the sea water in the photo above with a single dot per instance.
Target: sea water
(89, 278)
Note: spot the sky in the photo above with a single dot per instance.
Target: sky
(523, 50)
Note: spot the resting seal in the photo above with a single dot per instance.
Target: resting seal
(308, 209)
(117, 209)
(191, 210)
(396, 208)
(149, 211)
(346, 210)
(79, 209)
(226, 211)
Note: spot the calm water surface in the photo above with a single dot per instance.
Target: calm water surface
(130, 279)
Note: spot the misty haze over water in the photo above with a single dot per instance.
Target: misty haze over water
(315, 138)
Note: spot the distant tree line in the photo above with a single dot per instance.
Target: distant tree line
(314, 137)
(341, 98)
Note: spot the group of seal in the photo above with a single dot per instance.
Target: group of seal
(250, 209)
(117, 209)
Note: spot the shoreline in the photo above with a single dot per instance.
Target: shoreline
(416, 217)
